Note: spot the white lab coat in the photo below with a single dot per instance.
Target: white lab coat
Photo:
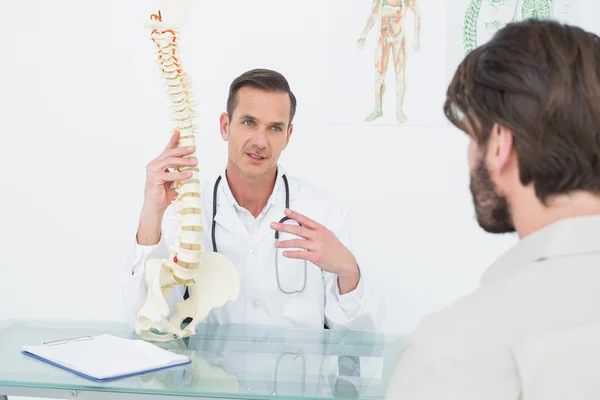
(252, 252)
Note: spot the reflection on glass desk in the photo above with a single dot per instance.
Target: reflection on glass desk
(228, 362)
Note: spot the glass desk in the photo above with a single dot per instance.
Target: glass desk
(228, 362)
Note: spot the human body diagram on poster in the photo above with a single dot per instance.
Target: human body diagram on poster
(391, 41)
(498, 13)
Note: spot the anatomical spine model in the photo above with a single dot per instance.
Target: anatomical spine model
(211, 278)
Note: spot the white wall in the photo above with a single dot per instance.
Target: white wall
(83, 111)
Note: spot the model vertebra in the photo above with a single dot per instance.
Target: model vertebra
(212, 279)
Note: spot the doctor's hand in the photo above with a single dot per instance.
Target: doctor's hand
(157, 192)
(321, 247)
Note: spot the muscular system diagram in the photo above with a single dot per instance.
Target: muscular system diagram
(523, 9)
(391, 41)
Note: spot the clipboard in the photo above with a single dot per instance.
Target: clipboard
(92, 357)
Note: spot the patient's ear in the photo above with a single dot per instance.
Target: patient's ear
(224, 125)
(500, 150)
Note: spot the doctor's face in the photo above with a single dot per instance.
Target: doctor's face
(491, 208)
(257, 131)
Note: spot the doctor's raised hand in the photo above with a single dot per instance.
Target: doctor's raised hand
(320, 246)
(160, 174)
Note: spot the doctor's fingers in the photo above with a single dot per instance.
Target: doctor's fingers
(301, 255)
(293, 229)
(173, 176)
(173, 140)
(177, 152)
(302, 219)
(298, 244)
(161, 165)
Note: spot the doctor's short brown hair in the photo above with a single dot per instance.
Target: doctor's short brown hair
(263, 79)
(540, 79)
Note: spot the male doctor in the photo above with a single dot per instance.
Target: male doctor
(251, 196)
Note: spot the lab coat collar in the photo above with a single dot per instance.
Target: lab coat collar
(228, 218)
(569, 236)
(229, 194)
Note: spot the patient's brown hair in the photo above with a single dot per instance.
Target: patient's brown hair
(541, 80)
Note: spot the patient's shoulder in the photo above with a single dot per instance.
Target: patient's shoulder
(472, 327)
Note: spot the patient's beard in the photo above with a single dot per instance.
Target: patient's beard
(491, 209)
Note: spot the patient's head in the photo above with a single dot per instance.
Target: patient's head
(529, 100)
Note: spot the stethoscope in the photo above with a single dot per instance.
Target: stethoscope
(282, 220)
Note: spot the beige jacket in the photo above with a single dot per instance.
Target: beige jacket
(481, 347)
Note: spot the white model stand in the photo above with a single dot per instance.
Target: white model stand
(212, 279)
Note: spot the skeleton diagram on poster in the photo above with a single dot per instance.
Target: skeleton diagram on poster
(479, 20)
(515, 10)
(472, 23)
(391, 43)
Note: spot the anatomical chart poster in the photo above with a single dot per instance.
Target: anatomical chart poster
(386, 62)
(473, 22)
